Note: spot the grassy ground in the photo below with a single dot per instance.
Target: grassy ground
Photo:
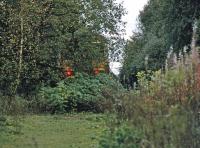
(58, 131)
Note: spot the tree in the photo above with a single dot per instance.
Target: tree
(163, 25)
(35, 34)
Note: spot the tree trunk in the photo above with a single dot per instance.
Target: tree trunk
(17, 81)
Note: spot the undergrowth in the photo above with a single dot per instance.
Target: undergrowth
(81, 93)
(164, 112)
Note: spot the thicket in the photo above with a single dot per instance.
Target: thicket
(38, 37)
(163, 112)
(81, 93)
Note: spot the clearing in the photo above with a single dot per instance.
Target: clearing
(55, 131)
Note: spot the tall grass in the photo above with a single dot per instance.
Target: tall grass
(11, 110)
(165, 109)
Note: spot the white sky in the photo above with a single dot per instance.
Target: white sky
(133, 8)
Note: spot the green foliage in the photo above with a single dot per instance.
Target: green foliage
(37, 36)
(11, 106)
(164, 25)
(198, 33)
(164, 108)
(81, 93)
(2, 122)
(9, 126)
(123, 137)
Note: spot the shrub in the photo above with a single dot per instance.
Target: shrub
(81, 93)
(164, 108)
(11, 105)
(122, 137)
(10, 110)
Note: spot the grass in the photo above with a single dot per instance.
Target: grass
(55, 131)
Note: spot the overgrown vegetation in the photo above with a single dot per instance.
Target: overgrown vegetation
(37, 37)
(81, 93)
(163, 112)
(40, 40)
(164, 109)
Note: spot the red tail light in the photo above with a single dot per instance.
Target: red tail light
(69, 72)
(96, 71)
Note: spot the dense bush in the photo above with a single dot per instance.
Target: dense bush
(165, 108)
(81, 93)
